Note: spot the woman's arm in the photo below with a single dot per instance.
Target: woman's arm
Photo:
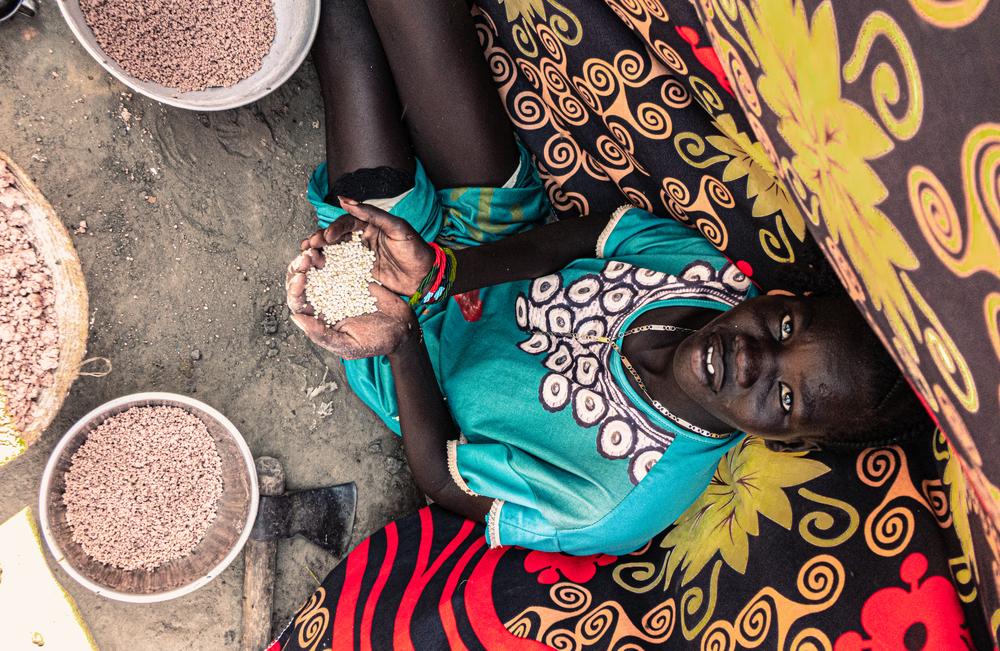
(534, 253)
(403, 258)
(427, 426)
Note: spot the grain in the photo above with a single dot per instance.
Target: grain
(143, 488)
(340, 289)
(29, 335)
(182, 44)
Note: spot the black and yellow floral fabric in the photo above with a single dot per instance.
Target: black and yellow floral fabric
(626, 103)
(807, 140)
(883, 120)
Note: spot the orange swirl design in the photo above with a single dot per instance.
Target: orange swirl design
(528, 111)
(520, 626)
(594, 168)
(718, 192)
(810, 639)
(631, 67)
(653, 121)
(889, 530)
(550, 42)
(674, 94)
(570, 596)
(937, 499)
(586, 94)
(600, 78)
(656, 9)
(313, 620)
(613, 154)
(501, 66)
(754, 621)
(597, 623)
(669, 56)
(621, 135)
(568, 106)
(637, 198)
(713, 230)
(675, 197)
(718, 638)
(562, 640)
(876, 466)
(660, 621)
(563, 199)
(562, 154)
(821, 580)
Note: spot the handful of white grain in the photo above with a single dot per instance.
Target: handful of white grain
(339, 290)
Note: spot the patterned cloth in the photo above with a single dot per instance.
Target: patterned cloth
(882, 117)
(888, 548)
(782, 552)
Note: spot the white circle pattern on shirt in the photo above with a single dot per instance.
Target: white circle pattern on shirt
(597, 305)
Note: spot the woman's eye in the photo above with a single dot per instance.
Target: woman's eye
(787, 397)
(786, 328)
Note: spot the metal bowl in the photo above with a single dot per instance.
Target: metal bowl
(296, 22)
(222, 542)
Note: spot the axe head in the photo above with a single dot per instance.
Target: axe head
(323, 515)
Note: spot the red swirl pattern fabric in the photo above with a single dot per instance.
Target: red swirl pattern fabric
(782, 552)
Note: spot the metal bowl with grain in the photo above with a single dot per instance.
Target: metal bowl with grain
(296, 22)
(225, 537)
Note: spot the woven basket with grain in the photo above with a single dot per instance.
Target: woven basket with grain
(53, 244)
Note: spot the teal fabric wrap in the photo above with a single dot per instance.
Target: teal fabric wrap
(458, 216)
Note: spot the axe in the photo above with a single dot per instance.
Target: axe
(323, 515)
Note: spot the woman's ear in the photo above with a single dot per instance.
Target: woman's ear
(791, 445)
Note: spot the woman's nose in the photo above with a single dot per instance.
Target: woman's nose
(747, 359)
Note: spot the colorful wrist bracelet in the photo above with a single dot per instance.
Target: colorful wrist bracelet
(437, 284)
(427, 284)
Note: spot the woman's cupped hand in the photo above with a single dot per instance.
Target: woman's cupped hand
(402, 259)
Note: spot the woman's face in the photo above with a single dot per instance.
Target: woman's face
(780, 367)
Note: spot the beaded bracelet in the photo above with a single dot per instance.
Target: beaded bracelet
(438, 282)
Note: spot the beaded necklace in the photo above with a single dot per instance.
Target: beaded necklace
(657, 405)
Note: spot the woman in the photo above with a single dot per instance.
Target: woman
(596, 369)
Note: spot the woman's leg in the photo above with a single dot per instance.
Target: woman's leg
(457, 124)
(364, 127)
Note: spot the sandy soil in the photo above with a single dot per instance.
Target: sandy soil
(191, 219)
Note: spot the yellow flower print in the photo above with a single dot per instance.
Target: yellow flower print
(763, 186)
(749, 482)
(832, 141)
(527, 8)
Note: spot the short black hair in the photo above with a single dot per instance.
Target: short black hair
(894, 411)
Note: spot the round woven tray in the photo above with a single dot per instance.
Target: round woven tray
(53, 244)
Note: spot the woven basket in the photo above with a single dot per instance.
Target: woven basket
(53, 244)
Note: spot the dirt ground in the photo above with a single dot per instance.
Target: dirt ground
(191, 219)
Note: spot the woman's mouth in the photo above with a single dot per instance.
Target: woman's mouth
(714, 362)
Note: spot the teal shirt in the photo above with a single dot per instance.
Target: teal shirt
(574, 458)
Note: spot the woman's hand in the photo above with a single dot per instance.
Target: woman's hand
(402, 258)
(368, 335)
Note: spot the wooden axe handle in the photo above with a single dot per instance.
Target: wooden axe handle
(258, 573)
